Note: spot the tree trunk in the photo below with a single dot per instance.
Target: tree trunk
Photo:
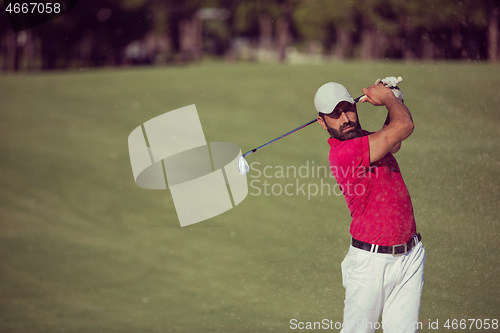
(427, 47)
(265, 31)
(162, 42)
(380, 44)
(29, 51)
(12, 52)
(407, 42)
(343, 47)
(283, 34)
(3, 52)
(367, 42)
(190, 38)
(493, 34)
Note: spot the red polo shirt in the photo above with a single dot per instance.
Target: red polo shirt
(376, 194)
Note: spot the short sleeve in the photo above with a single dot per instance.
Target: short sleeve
(352, 155)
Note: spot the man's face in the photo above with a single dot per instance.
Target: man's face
(342, 124)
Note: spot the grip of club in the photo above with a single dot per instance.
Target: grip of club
(357, 99)
(400, 79)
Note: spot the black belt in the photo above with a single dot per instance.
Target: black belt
(395, 249)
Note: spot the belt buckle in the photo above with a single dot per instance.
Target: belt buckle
(413, 243)
(394, 249)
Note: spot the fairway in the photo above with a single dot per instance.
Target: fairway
(84, 249)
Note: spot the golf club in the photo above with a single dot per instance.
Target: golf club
(243, 165)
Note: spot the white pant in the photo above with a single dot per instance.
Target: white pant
(382, 283)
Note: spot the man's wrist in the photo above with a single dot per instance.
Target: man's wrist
(389, 98)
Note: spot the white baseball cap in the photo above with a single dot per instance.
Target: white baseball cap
(329, 95)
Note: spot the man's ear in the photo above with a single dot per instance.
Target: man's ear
(322, 123)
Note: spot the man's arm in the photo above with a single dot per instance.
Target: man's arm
(396, 147)
(399, 125)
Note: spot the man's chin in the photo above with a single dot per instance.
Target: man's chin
(352, 134)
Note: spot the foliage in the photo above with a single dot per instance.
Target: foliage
(97, 33)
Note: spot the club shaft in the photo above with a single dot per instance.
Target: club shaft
(279, 137)
(288, 133)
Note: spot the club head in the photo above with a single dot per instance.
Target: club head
(243, 166)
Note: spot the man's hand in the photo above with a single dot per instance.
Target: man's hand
(378, 95)
(390, 81)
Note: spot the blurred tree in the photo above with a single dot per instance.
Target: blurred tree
(255, 18)
(330, 23)
(283, 29)
(154, 44)
(184, 24)
(490, 11)
(493, 11)
(116, 32)
(189, 27)
(17, 50)
(378, 27)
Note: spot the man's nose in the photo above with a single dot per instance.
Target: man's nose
(344, 117)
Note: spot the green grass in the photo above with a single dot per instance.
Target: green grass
(83, 249)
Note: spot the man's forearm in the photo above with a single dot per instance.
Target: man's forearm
(400, 123)
(400, 117)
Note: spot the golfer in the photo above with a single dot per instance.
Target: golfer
(383, 271)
